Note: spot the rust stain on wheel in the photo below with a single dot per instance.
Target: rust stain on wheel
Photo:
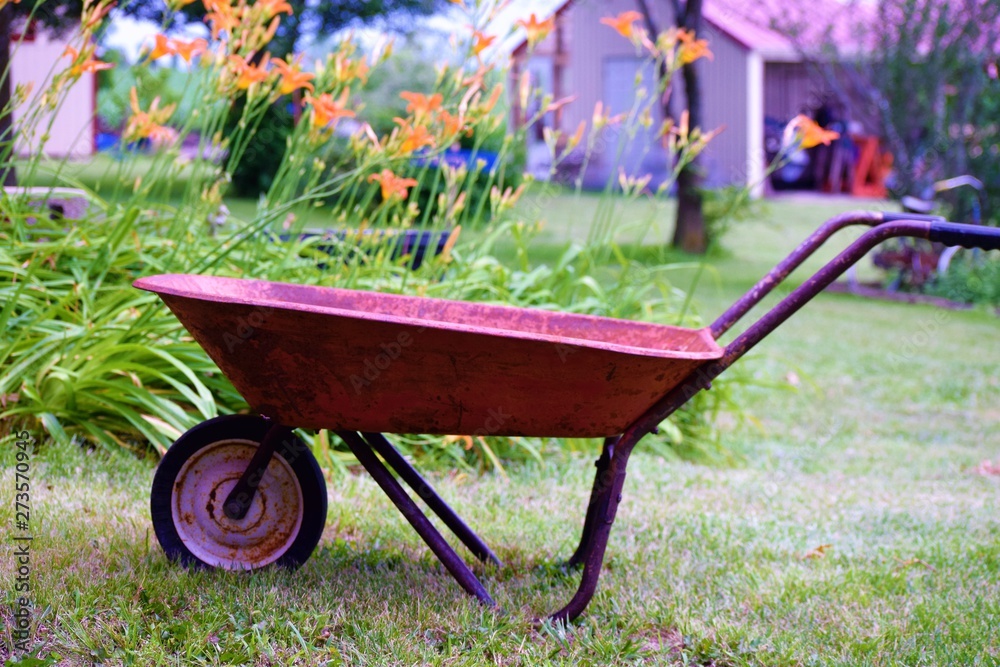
(258, 539)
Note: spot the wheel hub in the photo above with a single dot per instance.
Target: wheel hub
(261, 537)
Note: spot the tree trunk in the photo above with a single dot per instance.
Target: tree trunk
(6, 113)
(690, 234)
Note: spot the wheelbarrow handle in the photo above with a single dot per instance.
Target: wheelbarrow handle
(949, 233)
(967, 236)
(701, 378)
(893, 216)
(815, 240)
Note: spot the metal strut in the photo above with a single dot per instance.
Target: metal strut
(451, 560)
(415, 480)
(602, 483)
(238, 501)
(605, 498)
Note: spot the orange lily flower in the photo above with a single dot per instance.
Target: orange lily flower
(166, 46)
(148, 124)
(481, 41)
(162, 48)
(160, 134)
(274, 7)
(623, 23)
(537, 30)
(246, 74)
(577, 137)
(91, 64)
(420, 104)
(452, 125)
(292, 78)
(325, 109)
(692, 49)
(93, 13)
(414, 138)
(810, 133)
(222, 16)
(493, 99)
(188, 50)
(347, 70)
(393, 185)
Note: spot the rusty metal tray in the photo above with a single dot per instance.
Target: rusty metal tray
(321, 357)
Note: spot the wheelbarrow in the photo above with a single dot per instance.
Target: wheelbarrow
(242, 491)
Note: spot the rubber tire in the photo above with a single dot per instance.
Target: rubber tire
(244, 427)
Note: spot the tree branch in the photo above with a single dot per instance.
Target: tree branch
(648, 18)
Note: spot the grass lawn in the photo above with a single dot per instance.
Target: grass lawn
(854, 532)
(112, 179)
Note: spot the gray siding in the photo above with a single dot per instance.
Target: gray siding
(790, 89)
(725, 99)
(592, 45)
(794, 88)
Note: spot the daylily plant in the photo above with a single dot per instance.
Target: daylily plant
(173, 215)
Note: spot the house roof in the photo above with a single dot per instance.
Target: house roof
(776, 29)
(782, 29)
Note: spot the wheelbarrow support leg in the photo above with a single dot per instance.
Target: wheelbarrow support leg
(437, 505)
(239, 499)
(601, 516)
(451, 560)
(602, 485)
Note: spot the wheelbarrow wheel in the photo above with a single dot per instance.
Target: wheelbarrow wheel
(286, 517)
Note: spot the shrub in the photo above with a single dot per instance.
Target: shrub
(972, 277)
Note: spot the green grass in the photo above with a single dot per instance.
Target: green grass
(866, 440)
(112, 180)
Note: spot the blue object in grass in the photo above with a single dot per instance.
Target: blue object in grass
(462, 157)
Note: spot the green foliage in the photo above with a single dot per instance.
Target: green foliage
(150, 82)
(930, 79)
(411, 68)
(85, 356)
(984, 145)
(971, 278)
(254, 173)
(88, 356)
(724, 206)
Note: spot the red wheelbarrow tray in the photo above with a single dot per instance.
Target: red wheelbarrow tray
(363, 363)
(318, 357)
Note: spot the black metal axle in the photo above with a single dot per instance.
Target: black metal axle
(238, 501)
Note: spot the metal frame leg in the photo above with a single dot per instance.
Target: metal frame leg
(436, 504)
(237, 503)
(451, 560)
(602, 483)
(601, 516)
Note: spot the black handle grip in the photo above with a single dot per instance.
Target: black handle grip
(890, 216)
(967, 236)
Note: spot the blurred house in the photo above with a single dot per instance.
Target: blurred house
(35, 55)
(757, 81)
